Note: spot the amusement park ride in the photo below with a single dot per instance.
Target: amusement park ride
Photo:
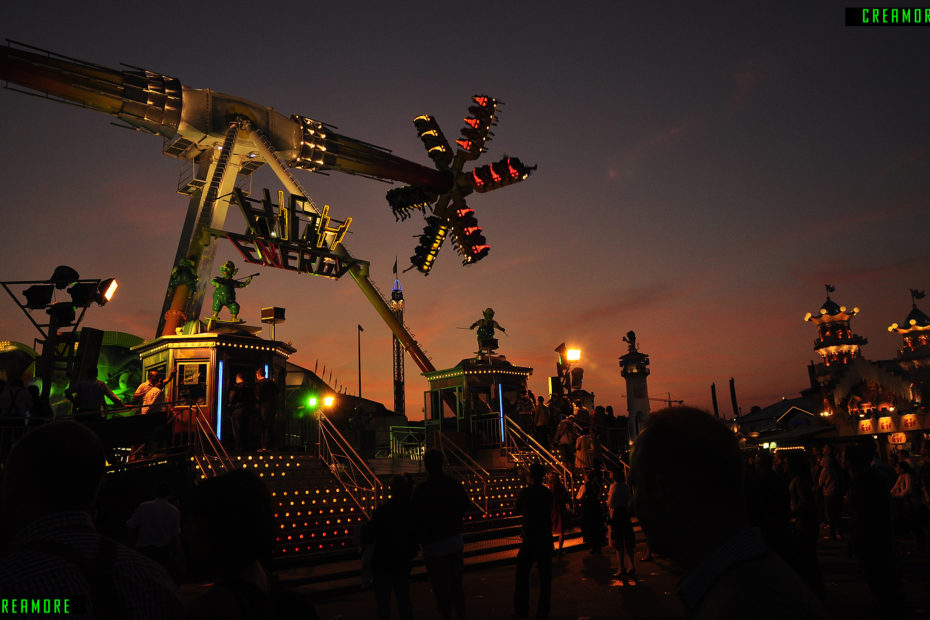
(227, 138)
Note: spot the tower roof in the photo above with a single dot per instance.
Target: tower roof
(830, 312)
(916, 320)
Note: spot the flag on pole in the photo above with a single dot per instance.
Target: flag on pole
(360, 328)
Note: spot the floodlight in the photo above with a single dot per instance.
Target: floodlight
(38, 296)
(83, 294)
(63, 311)
(573, 355)
(64, 276)
(106, 290)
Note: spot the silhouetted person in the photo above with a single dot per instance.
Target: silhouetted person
(769, 504)
(541, 423)
(90, 397)
(242, 405)
(805, 526)
(266, 396)
(49, 487)
(41, 412)
(157, 528)
(16, 401)
(440, 503)
(592, 516)
(622, 538)
(565, 437)
(535, 505)
(829, 484)
(871, 535)
(561, 503)
(689, 499)
(232, 536)
(392, 530)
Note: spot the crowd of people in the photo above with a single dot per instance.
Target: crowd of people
(798, 498)
(743, 527)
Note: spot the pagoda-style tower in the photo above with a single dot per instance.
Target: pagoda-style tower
(915, 329)
(836, 343)
(634, 368)
(397, 308)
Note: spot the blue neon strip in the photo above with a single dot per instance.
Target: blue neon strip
(500, 403)
(219, 403)
(267, 376)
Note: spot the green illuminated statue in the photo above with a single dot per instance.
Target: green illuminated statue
(224, 295)
(486, 327)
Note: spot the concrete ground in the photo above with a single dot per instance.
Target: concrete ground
(583, 588)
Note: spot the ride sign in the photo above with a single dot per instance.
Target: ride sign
(288, 236)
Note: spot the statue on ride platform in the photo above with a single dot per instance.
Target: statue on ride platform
(224, 295)
(486, 327)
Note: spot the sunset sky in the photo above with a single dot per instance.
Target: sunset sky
(703, 172)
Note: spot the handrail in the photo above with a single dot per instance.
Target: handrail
(470, 463)
(603, 452)
(216, 447)
(405, 437)
(347, 466)
(450, 448)
(516, 435)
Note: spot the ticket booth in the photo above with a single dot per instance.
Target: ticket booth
(205, 365)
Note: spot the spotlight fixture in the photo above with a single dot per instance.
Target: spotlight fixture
(64, 276)
(63, 311)
(83, 294)
(106, 290)
(38, 296)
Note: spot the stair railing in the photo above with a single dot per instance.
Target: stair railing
(348, 467)
(408, 442)
(459, 459)
(210, 450)
(520, 442)
(608, 458)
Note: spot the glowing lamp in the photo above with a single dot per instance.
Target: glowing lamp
(328, 401)
(106, 290)
(312, 401)
(573, 355)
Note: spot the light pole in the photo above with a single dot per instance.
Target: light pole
(360, 330)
